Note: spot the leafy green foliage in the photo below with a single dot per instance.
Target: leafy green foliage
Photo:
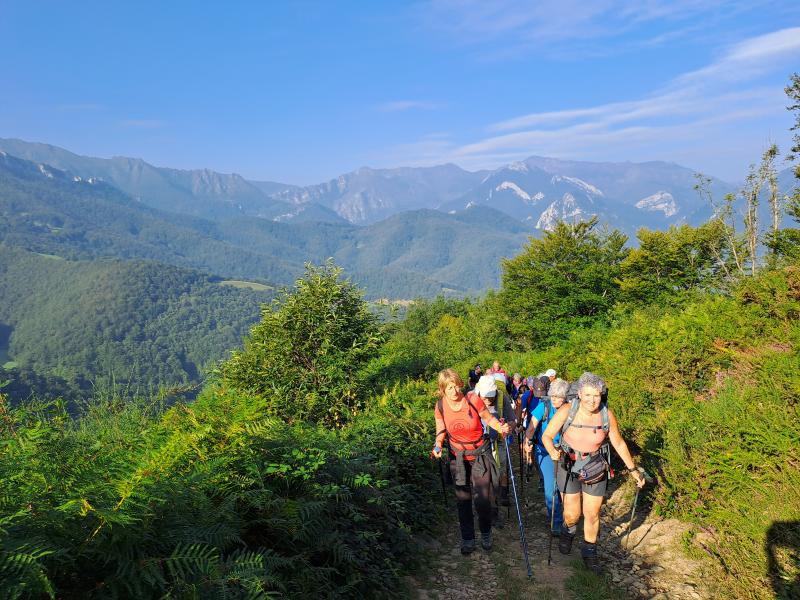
(306, 354)
(216, 499)
(680, 259)
(562, 281)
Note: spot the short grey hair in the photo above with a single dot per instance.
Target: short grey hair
(591, 380)
(559, 388)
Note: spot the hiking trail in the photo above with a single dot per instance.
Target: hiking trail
(653, 565)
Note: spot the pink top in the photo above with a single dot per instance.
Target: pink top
(587, 438)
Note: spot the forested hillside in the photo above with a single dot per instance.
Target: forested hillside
(131, 323)
(420, 253)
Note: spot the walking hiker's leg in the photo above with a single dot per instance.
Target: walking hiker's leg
(481, 486)
(591, 516)
(552, 501)
(466, 521)
(569, 487)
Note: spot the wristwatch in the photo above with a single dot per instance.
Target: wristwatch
(437, 449)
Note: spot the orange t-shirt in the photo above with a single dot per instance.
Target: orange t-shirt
(464, 427)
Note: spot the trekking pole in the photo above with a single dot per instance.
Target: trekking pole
(441, 478)
(647, 479)
(508, 508)
(523, 542)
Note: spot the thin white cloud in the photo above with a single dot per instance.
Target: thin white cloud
(404, 105)
(547, 23)
(693, 109)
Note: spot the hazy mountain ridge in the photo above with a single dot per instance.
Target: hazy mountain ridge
(43, 209)
(199, 192)
(369, 195)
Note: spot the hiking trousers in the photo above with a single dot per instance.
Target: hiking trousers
(546, 469)
(479, 485)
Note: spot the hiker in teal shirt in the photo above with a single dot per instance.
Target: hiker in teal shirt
(539, 419)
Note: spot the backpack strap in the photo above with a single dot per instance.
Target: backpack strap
(441, 412)
(573, 410)
(545, 416)
(574, 404)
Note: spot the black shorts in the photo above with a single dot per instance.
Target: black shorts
(574, 485)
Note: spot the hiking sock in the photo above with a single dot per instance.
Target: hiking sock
(589, 556)
(467, 546)
(565, 538)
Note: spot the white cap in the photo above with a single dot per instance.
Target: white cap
(550, 372)
(486, 387)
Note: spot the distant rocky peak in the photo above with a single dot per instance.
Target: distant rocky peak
(660, 201)
(518, 166)
(580, 183)
(565, 209)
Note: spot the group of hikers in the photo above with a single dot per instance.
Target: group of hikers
(564, 430)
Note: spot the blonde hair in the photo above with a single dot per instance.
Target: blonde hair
(449, 376)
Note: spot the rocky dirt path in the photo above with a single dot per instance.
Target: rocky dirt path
(651, 565)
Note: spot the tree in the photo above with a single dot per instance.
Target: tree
(306, 354)
(565, 280)
(786, 242)
(667, 263)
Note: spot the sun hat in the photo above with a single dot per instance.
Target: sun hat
(486, 387)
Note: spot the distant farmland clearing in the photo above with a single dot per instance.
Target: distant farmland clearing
(249, 285)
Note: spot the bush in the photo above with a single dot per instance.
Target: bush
(305, 356)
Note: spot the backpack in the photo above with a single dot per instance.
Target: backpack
(595, 468)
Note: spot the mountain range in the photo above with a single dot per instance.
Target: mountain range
(410, 254)
(537, 192)
(118, 270)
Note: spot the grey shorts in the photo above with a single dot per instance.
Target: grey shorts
(574, 485)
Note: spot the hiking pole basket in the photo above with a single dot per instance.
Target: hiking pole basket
(523, 542)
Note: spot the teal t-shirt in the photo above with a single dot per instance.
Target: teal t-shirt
(538, 413)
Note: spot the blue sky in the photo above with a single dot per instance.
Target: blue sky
(300, 92)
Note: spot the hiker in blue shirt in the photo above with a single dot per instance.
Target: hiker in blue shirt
(535, 450)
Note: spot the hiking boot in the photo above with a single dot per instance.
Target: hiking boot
(486, 541)
(467, 547)
(589, 556)
(565, 541)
